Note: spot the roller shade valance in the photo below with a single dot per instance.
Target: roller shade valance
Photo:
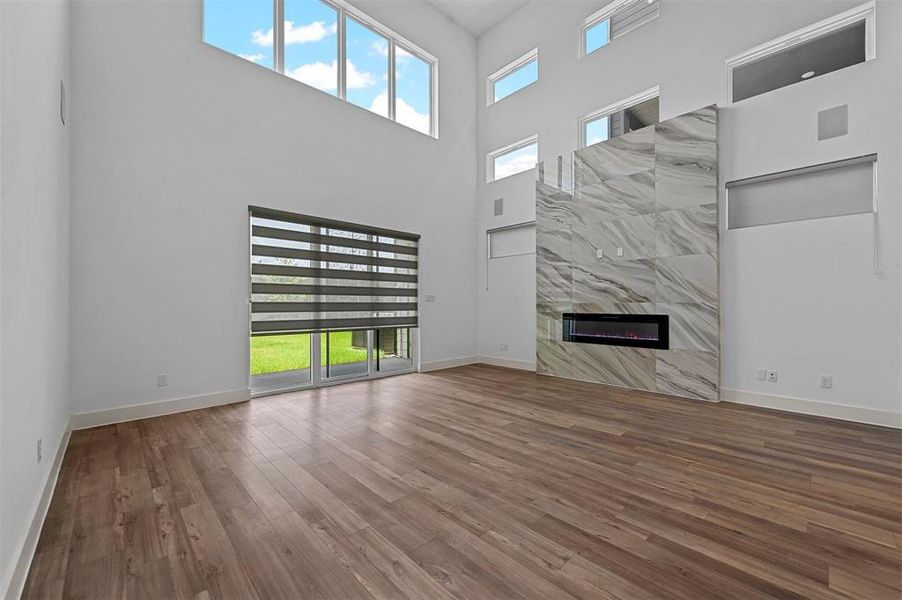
(843, 187)
(312, 274)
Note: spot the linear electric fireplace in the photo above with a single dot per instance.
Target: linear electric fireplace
(643, 331)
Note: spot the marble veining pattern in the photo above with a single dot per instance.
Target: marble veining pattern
(627, 196)
(686, 160)
(630, 153)
(621, 281)
(633, 236)
(652, 193)
(689, 373)
(693, 326)
(691, 278)
(691, 230)
(614, 365)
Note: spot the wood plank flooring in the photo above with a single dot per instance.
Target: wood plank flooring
(476, 482)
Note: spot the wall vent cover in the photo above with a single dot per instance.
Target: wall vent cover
(833, 122)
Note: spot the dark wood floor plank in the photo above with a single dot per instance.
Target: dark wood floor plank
(475, 482)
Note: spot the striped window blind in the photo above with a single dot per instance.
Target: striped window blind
(310, 274)
(632, 15)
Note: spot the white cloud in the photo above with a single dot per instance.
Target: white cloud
(404, 113)
(516, 164)
(358, 79)
(320, 75)
(303, 34)
(324, 76)
(380, 47)
(254, 58)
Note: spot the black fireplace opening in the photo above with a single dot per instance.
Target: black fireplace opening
(643, 331)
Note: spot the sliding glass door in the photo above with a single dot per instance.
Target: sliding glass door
(330, 301)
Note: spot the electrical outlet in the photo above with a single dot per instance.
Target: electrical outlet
(825, 381)
(599, 254)
(40, 450)
(429, 298)
(762, 375)
(504, 347)
(772, 376)
(162, 380)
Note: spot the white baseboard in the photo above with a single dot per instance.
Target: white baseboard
(25, 550)
(510, 363)
(122, 414)
(447, 363)
(815, 407)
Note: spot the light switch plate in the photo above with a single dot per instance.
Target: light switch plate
(619, 250)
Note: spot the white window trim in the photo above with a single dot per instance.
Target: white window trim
(532, 55)
(606, 12)
(633, 100)
(343, 9)
(491, 156)
(867, 12)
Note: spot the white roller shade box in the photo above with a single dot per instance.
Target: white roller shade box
(512, 241)
(829, 190)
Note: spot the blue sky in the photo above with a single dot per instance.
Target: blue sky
(597, 36)
(244, 28)
(597, 130)
(517, 161)
(519, 79)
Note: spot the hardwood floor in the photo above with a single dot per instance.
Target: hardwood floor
(476, 482)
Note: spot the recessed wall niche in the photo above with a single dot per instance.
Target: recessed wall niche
(636, 234)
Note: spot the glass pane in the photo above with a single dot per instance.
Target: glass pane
(597, 36)
(343, 353)
(517, 80)
(412, 96)
(242, 27)
(280, 361)
(311, 44)
(597, 131)
(516, 161)
(392, 350)
(367, 68)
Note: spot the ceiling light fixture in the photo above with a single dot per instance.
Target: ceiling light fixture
(807, 74)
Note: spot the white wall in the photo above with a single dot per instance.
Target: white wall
(782, 285)
(173, 139)
(34, 263)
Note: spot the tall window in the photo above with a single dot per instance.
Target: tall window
(513, 77)
(513, 159)
(333, 47)
(621, 117)
(329, 300)
(614, 20)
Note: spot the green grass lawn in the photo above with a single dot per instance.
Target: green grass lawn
(274, 353)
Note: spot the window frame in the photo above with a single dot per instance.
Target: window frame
(603, 14)
(866, 12)
(508, 69)
(644, 96)
(494, 154)
(344, 11)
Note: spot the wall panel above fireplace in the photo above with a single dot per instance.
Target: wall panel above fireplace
(636, 235)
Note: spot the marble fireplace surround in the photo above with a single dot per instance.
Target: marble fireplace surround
(653, 193)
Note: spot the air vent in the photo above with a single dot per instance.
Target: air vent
(833, 122)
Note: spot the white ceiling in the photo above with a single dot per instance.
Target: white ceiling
(477, 16)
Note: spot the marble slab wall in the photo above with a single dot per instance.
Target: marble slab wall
(652, 193)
